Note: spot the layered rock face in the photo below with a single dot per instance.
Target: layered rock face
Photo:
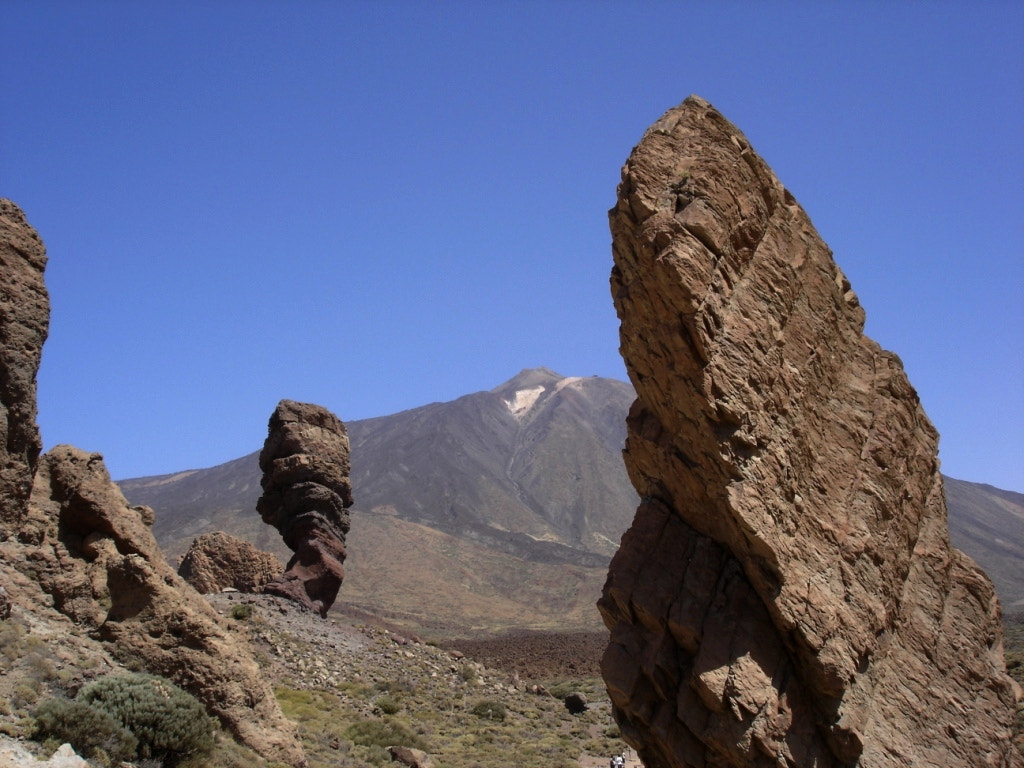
(306, 496)
(24, 323)
(74, 555)
(787, 593)
(217, 561)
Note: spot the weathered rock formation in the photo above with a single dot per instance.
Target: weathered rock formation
(77, 558)
(787, 593)
(306, 496)
(217, 561)
(24, 323)
(97, 559)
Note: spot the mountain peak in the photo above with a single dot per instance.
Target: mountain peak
(528, 378)
(523, 390)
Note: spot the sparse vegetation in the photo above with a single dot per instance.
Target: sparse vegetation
(490, 710)
(93, 733)
(383, 733)
(168, 724)
(461, 712)
(241, 612)
(1014, 647)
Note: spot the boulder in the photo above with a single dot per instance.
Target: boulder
(787, 592)
(217, 561)
(412, 758)
(306, 496)
(576, 702)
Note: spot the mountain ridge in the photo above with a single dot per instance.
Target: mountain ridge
(522, 480)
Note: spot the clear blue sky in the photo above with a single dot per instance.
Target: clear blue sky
(375, 205)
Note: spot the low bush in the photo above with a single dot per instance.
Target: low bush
(383, 733)
(169, 724)
(388, 705)
(87, 729)
(489, 710)
(241, 612)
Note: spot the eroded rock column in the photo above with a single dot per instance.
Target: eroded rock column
(306, 496)
(787, 592)
(24, 324)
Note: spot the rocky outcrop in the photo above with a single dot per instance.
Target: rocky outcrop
(80, 565)
(24, 323)
(306, 496)
(14, 755)
(98, 560)
(787, 593)
(217, 561)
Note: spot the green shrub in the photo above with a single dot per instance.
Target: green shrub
(89, 730)
(561, 689)
(241, 612)
(168, 723)
(489, 710)
(382, 733)
(26, 693)
(388, 705)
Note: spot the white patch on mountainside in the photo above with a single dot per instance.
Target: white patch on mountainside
(567, 382)
(524, 400)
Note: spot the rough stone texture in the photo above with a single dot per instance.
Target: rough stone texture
(97, 558)
(218, 561)
(787, 593)
(412, 758)
(306, 496)
(24, 322)
(13, 755)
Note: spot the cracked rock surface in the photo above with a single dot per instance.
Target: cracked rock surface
(787, 593)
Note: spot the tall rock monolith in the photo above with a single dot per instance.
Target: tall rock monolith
(306, 496)
(82, 562)
(24, 323)
(787, 593)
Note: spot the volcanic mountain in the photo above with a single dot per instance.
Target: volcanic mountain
(501, 508)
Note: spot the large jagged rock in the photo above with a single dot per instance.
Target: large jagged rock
(306, 496)
(217, 561)
(79, 565)
(24, 323)
(787, 593)
(97, 558)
